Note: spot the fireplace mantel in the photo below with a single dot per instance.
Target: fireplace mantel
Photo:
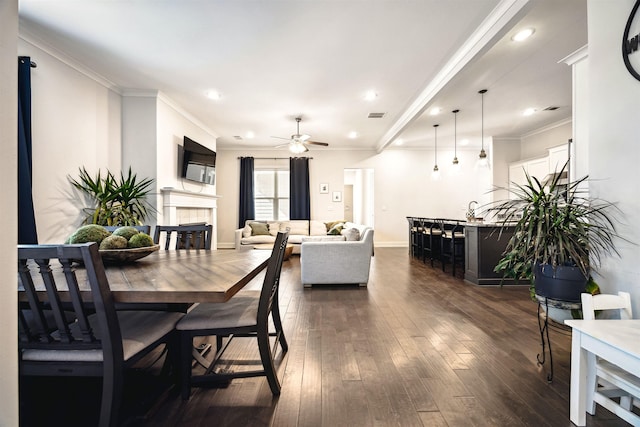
(175, 202)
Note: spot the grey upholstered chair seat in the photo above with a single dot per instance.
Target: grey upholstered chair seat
(238, 312)
(140, 329)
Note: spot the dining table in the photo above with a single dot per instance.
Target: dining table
(173, 276)
(616, 341)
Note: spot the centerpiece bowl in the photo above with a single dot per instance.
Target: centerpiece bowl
(120, 256)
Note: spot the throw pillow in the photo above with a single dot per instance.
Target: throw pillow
(330, 224)
(351, 234)
(259, 229)
(317, 228)
(299, 227)
(246, 231)
(336, 229)
(274, 227)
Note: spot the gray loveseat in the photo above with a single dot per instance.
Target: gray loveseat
(343, 262)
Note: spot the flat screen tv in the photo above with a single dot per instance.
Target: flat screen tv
(198, 162)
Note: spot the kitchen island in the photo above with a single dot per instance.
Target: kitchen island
(484, 245)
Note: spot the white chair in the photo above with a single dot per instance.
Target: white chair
(611, 381)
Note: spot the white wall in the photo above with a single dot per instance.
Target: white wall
(80, 120)
(537, 143)
(505, 151)
(614, 129)
(8, 213)
(76, 122)
(402, 187)
(153, 128)
(173, 125)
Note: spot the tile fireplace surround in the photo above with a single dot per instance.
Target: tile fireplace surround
(179, 206)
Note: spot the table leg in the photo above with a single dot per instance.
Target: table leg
(579, 381)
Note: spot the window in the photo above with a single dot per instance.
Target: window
(271, 194)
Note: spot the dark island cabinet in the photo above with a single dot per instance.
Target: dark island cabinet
(483, 249)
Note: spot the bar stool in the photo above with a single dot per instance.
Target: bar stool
(452, 245)
(431, 237)
(415, 236)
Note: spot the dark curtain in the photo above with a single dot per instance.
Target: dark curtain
(299, 197)
(26, 219)
(247, 206)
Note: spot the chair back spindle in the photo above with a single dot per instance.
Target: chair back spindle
(192, 236)
(45, 318)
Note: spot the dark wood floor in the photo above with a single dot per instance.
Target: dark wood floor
(417, 347)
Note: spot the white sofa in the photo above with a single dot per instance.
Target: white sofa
(299, 230)
(337, 262)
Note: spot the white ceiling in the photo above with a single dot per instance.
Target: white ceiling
(273, 60)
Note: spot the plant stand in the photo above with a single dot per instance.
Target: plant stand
(545, 322)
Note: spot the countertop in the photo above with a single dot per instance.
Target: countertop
(488, 224)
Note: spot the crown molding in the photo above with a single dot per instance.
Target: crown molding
(29, 37)
(161, 96)
(477, 43)
(576, 56)
(562, 122)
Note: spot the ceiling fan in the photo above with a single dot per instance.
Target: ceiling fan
(298, 143)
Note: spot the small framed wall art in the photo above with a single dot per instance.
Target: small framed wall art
(337, 196)
(324, 188)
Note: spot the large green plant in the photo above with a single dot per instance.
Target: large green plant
(116, 201)
(556, 224)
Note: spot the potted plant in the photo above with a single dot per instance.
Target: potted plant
(114, 201)
(560, 235)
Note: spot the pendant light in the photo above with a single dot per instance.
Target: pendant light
(456, 164)
(436, 172)
(483, 161)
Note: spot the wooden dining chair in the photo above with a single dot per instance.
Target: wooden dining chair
(611, 381)
(244, 315)
(100, 342)
(186, 236)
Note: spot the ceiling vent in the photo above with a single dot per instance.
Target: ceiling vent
(237, 137)
(376, 115)
(550, 108)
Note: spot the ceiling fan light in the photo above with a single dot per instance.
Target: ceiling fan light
(297, 148)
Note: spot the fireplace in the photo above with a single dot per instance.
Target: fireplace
(181, 207)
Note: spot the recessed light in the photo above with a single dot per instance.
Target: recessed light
(370, 95)
(435, 111)
(399, 141)
(529, 111)
(353, 134)
(213, 94)
(523, 34)
(464, 142)
(251, 135)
